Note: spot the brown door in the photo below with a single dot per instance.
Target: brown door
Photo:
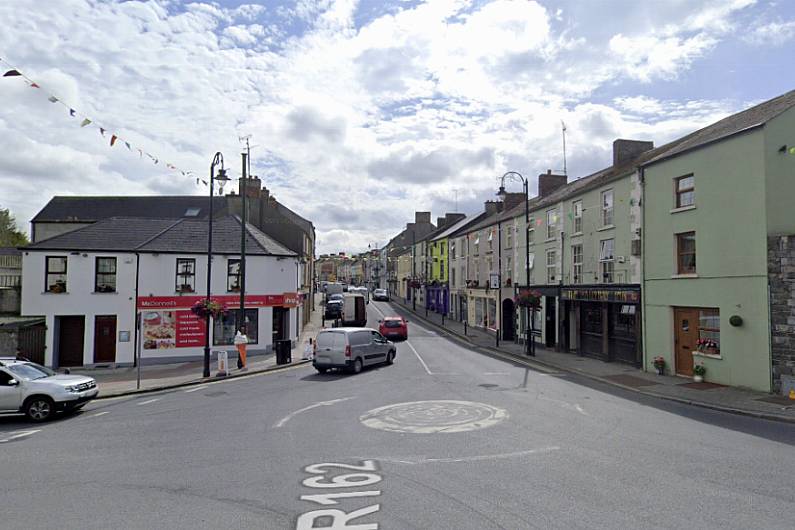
(70, 340)
(686, 337)
(105, 339)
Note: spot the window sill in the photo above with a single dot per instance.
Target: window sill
(683, 208)
(104, 292)
(707, 355)
(681, 276)
(608, 227)
(50, 292)
(550, 240)
(575, 234)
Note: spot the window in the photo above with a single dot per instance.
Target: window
(463, 274)
(491, 235)
(606, 260)
(709, 331)
(452, 250)
(186, 275)
(55, 274)
(490, 264)
(477, 244)
(686, 253)
(509, 237)
(552, 220)
(577, 210)
(452, 276)
(509, 267)
(685, 191)
(576, 263)
(225, 328)
(233, 275)
(607, 208)
(551, 266)
(531, 233)
(105, 275)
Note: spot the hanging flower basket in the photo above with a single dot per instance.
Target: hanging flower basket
(208, 307)
(531, 299)
(659, 364)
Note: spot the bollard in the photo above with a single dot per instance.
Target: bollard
(426, 312)
(442, 319)
(465, 328)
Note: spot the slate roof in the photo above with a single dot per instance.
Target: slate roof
(296, 219)
(745, 120)
(185, 236)
(90, 209)
(10, 251)
(460, 225)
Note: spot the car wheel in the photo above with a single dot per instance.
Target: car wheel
(390, 357)
(321, 370)
(357, 366)
(40, 409)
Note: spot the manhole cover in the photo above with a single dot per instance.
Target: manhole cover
(428, 417)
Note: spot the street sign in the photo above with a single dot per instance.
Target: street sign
(494, 280)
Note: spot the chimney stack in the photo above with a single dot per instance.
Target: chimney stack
(422, 217)
(626, 150)
(452, 218)
(250, 186)
(548, 183)
(513, 199)
(493, 207)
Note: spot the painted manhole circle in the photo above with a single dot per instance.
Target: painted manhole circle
(428, 417)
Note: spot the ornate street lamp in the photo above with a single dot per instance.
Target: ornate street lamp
(218, 160)
(513, 175)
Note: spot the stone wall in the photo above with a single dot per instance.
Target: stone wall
(10, 301)
(781, 278)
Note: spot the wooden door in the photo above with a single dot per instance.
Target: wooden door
(105, 339)
(685, 339)
(70, 340)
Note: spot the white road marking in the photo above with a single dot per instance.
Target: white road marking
(471, 458)
(432, 417)
(19, 434)
(98, 414)
(148, 401)
(420, 358)
(287, 418)
(580, 409)
(566, 404)
(195, 389)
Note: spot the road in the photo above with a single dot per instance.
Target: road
(446, 438)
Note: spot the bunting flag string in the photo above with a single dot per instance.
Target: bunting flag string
(14, 72)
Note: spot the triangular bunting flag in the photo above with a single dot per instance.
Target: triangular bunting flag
(11, 73)
(53, 99)
(204, 182)
(85, 122)
(72, 112)
(102, 131)
(113, 140)
(792, 150)
(34, 85)
(140, 154)
(128, 146)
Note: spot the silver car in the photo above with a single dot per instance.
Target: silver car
(351, 349)
(39, 392)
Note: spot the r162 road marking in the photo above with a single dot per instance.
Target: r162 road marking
(365, 476)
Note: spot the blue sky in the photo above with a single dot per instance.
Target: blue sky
(362, 112)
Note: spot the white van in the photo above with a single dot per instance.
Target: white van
(354, 312)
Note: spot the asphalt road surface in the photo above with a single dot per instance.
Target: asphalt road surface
(446, 438)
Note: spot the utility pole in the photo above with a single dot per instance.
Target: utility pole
(243, 232)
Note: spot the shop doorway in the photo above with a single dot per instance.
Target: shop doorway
(105, 339)
(69, 347)
(550, 324)
(281, 323)
(508, 320)
(685, 339)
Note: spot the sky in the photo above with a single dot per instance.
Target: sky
(361, 112)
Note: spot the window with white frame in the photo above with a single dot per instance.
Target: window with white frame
(452, 276)
(576, 263)
(685, 188)
(491, 236)
(531, 233)
(477, 243)
(577, 214)
(509, 267)
(607, 208)
(552, 268)
(606, 260)
(509, 237)
(552, 224)
(452, 250)
(490, 265)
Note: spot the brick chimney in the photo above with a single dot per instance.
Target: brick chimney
(422, 217)
(251, 185)
(548, 183)
(512, 199)
(440, 222)
(626, 150)
(452, 218)
(492, 207)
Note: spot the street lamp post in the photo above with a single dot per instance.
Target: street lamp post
(513, 175)
(218, 159)
(413, 270)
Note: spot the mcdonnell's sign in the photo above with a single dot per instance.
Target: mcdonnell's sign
(626, 296)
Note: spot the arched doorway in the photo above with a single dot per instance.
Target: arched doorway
(508, 319)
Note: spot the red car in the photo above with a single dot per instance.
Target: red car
(394, 328)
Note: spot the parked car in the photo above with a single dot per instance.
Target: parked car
(381, 294)
(333, 309)
(394, 328)
(351, 349)
(39, 392)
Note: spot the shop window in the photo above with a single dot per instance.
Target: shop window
(622, 321)
(55, 274)
(233, 275)
(224, 329)
(491, 314)
(592, 318)
(685, 191)
(607, 208)
(709, 331)
(686, 253)
(105, 275)
(577, 210)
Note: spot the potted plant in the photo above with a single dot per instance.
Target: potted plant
(659, 365)
(531, 299)
(698, 373)
(185, 288)
(205, 307)
(709, 346)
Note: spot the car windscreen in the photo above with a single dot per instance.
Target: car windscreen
(331, 340)
(392, 323)
(30, 371)
(335, 297)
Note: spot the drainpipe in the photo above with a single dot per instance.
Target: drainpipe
(642, 180)
(136, 346)
(499, 283)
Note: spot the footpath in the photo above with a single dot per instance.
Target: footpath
(674, 388)
(114, 382)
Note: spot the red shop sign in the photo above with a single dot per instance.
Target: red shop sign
(232, 301)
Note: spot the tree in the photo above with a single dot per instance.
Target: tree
(10, 235)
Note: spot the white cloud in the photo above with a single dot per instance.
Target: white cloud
(771, 34)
